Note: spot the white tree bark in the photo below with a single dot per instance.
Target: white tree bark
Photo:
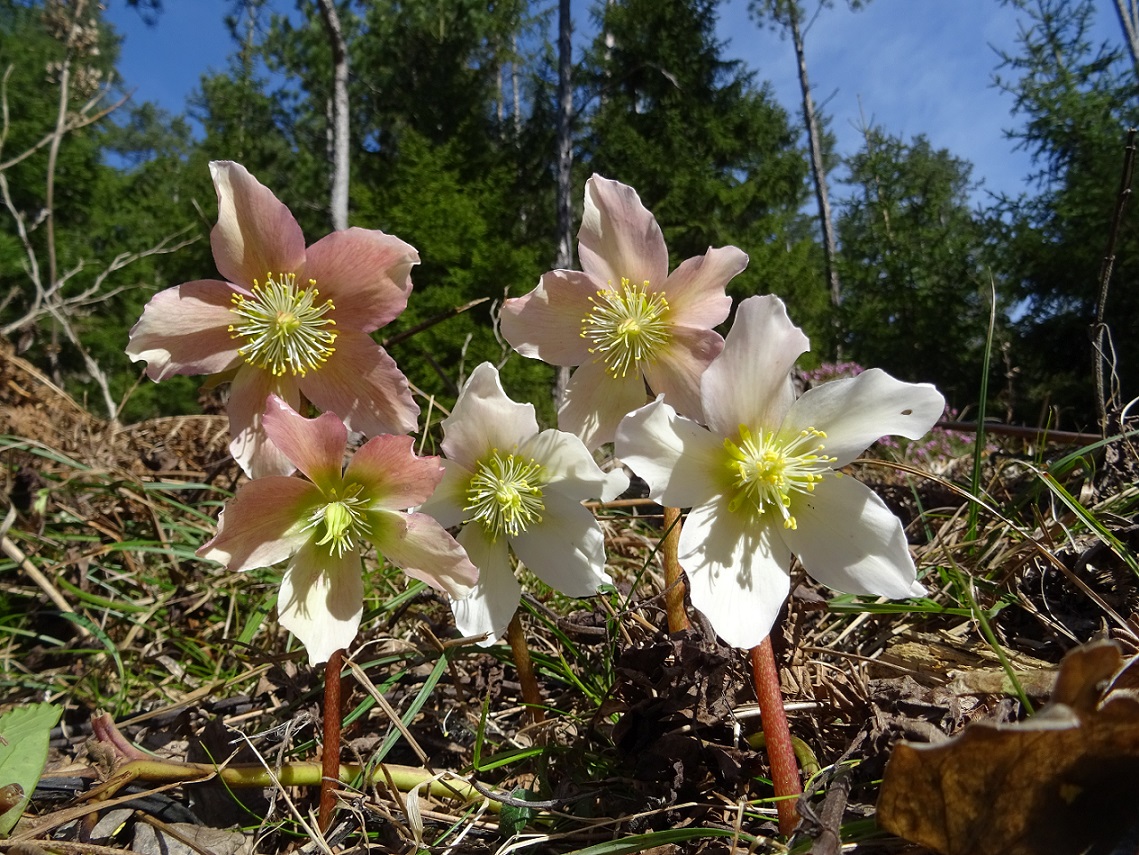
(338, 130)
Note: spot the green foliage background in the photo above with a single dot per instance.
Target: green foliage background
(448, 157)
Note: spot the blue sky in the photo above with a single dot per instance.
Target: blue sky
(909, 66)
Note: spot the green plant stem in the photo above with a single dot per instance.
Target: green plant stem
(673, 574)
(330, 755)
(780, 750)
(531, 694)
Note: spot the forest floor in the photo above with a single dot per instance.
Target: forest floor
(649, 740)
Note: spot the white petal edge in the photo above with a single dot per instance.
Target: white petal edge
(749, 383)
(858, 410)
(738, 572)
(566, 550)
(684, 464)
(850, 541)
(485, 418)
(322, 600)
(495, 598)
(571, 468)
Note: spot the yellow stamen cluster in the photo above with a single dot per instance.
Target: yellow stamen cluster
(505, 494)
(285, 329)
(343, 519)
(627, 326)
(767, 469)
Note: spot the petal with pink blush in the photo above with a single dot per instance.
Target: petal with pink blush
(750, 382)
(484, 419)
(495, 598)
(696, 295)
(391, 474)
(322, 600)
(314, 446)
(362, 385)
(619, 238)
(421, 548)
(185, 330)
(263, 523)
(251, 446)
(448, 503)
(256, 234)
(546, 324)
(677, 371)
(365, 273)
(595, 402)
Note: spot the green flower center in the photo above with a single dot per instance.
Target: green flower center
(342, 518)
(766, 469)
(285, 329)
(627, 326)
(505, 495)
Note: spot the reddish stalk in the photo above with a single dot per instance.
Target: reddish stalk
(531, 696)
(673, 575)
(330, 756)
(780, 751)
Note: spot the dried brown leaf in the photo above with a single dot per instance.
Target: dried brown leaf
(1061, 782)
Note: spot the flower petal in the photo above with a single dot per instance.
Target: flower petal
(596, 401)
(570, 469)
(749, 383)
(391, 473)
(263, 523)
(546, 324)
(251, 446)
(566, 550)
(858, 410)
(738, 572)
(322, 600)
(366, 274)
(448, 503)
(678, 370)
(683, 463)
(314, 446)
(619, 238)
(361, 383)
(494, 600)
(185, 330)
(696, 289)
(255, 233)
(484, 418)
(849, 540)
(421, 548)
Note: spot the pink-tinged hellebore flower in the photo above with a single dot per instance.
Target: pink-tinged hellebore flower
(322, 522)
(623, 319)
(511, 487)
(288, 320)
(762, 477)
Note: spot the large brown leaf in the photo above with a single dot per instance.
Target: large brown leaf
(1063, 782)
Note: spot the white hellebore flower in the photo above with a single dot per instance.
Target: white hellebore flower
(511, 487)
(762, 478)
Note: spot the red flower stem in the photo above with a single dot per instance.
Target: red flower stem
(673, 575)
(780, 751)
(524, 665)
(330, 757)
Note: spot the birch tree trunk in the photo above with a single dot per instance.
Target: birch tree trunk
(1129, 19)
(338, 126)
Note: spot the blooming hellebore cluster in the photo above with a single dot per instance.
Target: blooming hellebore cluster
(761, 476)
(623, 319)
(286, 320)
(513, 487)
(322, 523)
(725, 435)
